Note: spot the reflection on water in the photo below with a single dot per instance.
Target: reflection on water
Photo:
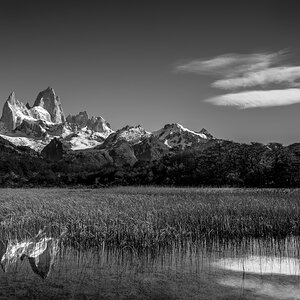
(263, 288)
(265, 266)
(42, 263)
(261, 265)
(40, 252)
(255, 269)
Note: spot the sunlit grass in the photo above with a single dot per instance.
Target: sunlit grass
(149, 217)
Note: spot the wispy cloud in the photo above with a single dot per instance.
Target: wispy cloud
(278, 75)
(240, 71)
(231, 65)
(251, 99)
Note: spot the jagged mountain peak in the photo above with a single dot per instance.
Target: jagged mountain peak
(132, 128)
(47, 107)
(14, 112)
(177, 136)
(174, 125)
(50, 89)
(37, 124)
(49, 101)
(96, 124)
(12, 98)
(207, 133)
(180, 128)
(131, 134)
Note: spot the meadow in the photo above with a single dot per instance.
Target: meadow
(150, 217)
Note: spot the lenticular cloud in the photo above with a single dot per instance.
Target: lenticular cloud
(251, 99)
(232, 64)
(240, 71)
(279, 75)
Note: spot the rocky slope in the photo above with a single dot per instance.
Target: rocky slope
(150, 149)
(9, 148)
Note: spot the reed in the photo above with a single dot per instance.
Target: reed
(150, 217)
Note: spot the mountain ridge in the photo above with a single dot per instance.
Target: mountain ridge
(35, 126)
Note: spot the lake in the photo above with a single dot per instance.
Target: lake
(149, 243)
(248, 269)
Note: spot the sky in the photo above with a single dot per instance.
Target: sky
(232, 67)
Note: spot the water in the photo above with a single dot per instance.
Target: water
(247, 270)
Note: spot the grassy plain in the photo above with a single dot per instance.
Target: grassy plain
(149, 217)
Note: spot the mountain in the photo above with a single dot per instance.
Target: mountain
(36, 126)
(40, 146)
(206, 133)
(47, 108)
(47, 100)
(89, 141)
(55, 150)
(150, 149)
(117, 148)
(96, 124)
(85, 132)
(131, 134)
(18, 163)
(9, 148)
(178, 137)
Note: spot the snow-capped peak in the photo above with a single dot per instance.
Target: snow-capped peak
(131, 134)
(35, 126)
(176, 135)
(203, 136)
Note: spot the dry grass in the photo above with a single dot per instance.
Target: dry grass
(150, 217)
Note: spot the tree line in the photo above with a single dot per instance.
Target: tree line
(219, 163)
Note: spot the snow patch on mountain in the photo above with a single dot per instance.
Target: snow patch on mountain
(39, 113)
(133, 134)
(35, 144)
(172, 129)
(176, 136)
(83, 139)
(130, 134)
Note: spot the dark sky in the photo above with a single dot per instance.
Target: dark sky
(117, 59)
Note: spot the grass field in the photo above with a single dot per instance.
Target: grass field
(147, 217)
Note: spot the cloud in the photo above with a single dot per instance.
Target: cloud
(231, 65)
(241, 71)
(251, 99)
(286, 75)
